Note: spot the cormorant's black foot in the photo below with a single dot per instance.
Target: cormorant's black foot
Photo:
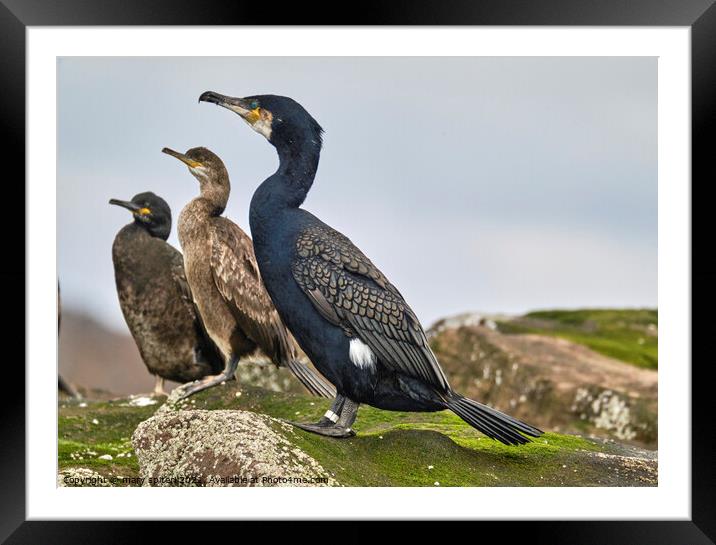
(336, 422)
(323, 422)
(328, 429)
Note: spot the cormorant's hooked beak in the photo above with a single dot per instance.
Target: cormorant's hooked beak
(129, 205)
(134, 208)
(237, 105)
(183, 158)
(258, 118)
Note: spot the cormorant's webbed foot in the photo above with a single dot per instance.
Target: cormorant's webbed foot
(336, 422)
(329, 431)
(211, 380)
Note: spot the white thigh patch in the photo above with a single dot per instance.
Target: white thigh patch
(361, 355)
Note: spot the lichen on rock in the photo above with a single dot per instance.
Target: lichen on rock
(222, 448)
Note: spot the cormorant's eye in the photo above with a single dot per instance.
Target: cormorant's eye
(254, 104)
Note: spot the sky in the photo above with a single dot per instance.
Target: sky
(486, 184)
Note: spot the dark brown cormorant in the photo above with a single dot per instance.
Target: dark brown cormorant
(155, 296)
(350, 320)
(225, 282)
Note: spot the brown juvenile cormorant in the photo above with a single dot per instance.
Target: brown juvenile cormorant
(345, 314)
(225, 282)
(155, 296)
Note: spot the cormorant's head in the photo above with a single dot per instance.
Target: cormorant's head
(151, 212)
(281, 120)
(209, 169)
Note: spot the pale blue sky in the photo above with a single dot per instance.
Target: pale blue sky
(474, 183)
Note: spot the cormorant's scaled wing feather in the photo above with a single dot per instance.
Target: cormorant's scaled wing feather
(236, 275)
(350, 292)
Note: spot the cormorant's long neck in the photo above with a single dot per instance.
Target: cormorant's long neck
(214, 195)
(298, 163)
(287, 188)
(205, 207)
(193, 221)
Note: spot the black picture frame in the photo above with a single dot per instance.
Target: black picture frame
(17, 15)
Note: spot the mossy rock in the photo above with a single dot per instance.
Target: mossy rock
(550, 382)
(391, 448)
(222, 448)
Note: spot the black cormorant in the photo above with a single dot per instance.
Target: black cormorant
(225, 282)
(349, 319)
(155, 296)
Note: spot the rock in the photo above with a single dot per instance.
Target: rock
(551, 382)
(467, 319)
(222, 448)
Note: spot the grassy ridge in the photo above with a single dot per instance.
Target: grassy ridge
(627, 335)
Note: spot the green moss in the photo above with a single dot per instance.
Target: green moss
(604, 317)
(100, 428)
(624, 334)
(397, 448)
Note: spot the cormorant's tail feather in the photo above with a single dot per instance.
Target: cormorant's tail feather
(491, 422)
(313, 382)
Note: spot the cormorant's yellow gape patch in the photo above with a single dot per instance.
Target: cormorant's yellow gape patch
(254, 115)
(144, 211)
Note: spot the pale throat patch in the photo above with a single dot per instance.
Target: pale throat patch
(261, 124)
(361, 355)
(200, 172)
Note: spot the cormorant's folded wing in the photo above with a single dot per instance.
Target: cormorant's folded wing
(206, 349)
(350, 292)
(179, 278)
(236, 275)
